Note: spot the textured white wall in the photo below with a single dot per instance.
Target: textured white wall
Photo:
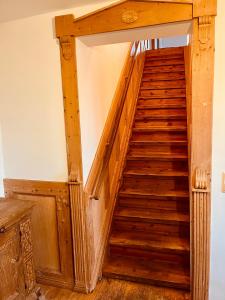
(217, 283)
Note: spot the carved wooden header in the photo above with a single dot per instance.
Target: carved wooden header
(124, 15)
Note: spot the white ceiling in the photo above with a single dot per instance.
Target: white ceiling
(16, 9)
(144, 33)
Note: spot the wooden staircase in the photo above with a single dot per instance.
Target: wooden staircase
(149, 240)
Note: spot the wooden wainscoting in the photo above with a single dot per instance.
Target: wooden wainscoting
(51, 227)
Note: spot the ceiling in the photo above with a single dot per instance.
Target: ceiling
(144, 33)
(15, 9)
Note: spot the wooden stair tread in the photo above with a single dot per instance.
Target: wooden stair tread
(149, 241)
(150, 215)
(164, 105)
(138, 193)
(162, 173)
(145, 271)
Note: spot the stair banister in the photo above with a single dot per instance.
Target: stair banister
(93, 190)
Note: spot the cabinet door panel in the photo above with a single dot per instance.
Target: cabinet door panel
(11, 269)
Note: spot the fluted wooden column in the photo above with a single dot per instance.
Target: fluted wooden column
(200, 128)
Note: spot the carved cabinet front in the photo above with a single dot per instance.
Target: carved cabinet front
(17, 276)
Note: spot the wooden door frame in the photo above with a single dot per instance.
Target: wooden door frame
(130, 14)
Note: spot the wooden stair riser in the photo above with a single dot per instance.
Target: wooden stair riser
(164, 69)
(165, 51)
(159, 256)
(160, 123)
(157, 166)
(162, 93)
(151, 281)
(147, 76)
(160, 103)
(163, 85)
(181, 205)
(159, 136)
(175, 56)
(152, 185)
(154, 228)
(138, 150)
(161, 112)
(163, 62)
(144, 271)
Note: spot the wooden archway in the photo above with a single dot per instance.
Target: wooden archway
(134, 14)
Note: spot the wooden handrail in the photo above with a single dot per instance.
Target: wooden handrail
(93, 188)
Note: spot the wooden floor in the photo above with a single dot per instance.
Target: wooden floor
(110, 289)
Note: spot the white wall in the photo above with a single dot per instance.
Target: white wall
(31, 105)
(99, 69)
(217, 283)
(175, 41)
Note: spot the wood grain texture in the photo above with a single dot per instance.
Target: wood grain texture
(150, 174)
(51, 227)
(124, 15)
(17, 276)
(71, 106)
(204, 8)
(202, 53)
(116, 290)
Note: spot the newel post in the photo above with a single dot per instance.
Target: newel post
(201, 151)
(78, 203)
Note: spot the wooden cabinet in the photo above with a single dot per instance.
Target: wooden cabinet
(17, 276)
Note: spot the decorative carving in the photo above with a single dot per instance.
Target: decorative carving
(26, 244)
(129, 16)
(201, 179)
(29, 275)
(204, 31)
(66, 46)
(11, 267)
(26, 239)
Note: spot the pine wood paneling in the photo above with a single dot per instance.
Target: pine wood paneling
(51, 228)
